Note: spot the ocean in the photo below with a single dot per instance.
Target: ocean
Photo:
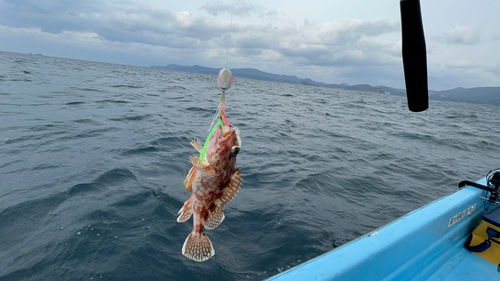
(93, 156)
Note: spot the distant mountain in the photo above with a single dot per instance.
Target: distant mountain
(490, 95)
(486, 95)
(194, 68)
(240, 72)
(261, 75)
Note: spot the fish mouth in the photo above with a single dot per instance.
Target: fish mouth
(224, 137)
(223, 147)
(229, 136)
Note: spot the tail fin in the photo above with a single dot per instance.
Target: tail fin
(198, 247)
(186, 211)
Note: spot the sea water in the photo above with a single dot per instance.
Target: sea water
(93, 155)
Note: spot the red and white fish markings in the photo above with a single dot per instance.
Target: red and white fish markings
(213, 184)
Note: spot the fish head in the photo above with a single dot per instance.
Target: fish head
(223, 147)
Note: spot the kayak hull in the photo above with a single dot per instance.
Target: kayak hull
(426, 244)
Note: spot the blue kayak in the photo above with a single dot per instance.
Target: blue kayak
(426, 244)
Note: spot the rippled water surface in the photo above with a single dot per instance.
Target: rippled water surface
(93, 156)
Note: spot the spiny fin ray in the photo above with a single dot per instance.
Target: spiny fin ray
(196, 143)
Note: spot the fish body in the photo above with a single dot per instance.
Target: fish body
(213, 182)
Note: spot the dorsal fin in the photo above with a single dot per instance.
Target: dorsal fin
(196, 143)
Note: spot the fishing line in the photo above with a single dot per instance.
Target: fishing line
(225, 80)
(229, 36)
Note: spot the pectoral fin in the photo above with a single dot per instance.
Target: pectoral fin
(206, 169)
(230, 191)
(214, 218)
(216, 214)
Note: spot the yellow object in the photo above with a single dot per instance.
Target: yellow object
(485, 239)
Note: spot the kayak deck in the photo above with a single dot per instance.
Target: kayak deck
(466, 266)
(426, 244)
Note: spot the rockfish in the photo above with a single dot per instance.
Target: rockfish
(213, 183)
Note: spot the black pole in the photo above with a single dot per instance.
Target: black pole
(414, 55)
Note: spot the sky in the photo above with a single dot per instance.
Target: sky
(348, 41)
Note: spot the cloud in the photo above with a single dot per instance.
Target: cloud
(351, 30)
(349, 46)
(120, 21)
(127, 22)
(461, 35)
(337, 43)
(240, 8)
(462, 63)
(65, 36)
(345, 50)
(91, 46)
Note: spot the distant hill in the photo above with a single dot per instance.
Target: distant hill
(490, 95)
(241, 72)
(485, 95)
(261, 75)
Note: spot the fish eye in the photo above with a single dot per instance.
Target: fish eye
(235, 150)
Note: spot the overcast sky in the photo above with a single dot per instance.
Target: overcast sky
(348, 41)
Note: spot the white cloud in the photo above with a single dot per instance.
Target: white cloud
(66, 36)
(184, 19)
(240, 8)
(462, 63)
(321, 44)
(461, 35)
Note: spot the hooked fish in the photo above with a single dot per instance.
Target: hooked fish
(213, 183)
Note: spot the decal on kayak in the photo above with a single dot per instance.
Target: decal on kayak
(462, 214)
